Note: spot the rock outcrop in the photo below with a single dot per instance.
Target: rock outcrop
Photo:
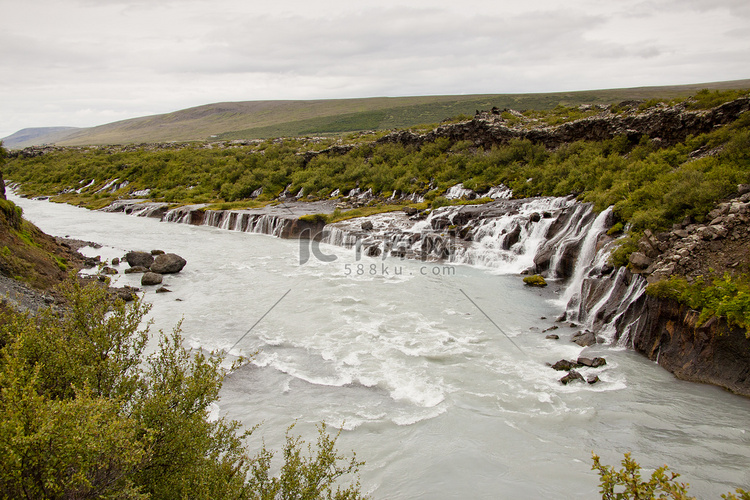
(670, 125)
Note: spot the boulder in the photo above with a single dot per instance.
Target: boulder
(584, 338)
(536, 280)
(157, 252)
(593, 363)
(108, 270)
(116, 261)
(639, 261)
(564, 365)
(367, 226)
(142, 259)
(572, 376)
(593, 379)
(136, 269)
(151, 279)
(168, 263)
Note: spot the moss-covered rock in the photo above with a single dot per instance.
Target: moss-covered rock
(536, 280)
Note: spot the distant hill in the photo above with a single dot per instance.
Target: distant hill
(37, 136)
(265, 119)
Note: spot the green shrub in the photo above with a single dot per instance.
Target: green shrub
(87, 414)
(628, 484)
(727, 297)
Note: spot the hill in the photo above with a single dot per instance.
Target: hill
(266, 119)
(37, 136)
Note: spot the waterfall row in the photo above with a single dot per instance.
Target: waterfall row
(559, 238)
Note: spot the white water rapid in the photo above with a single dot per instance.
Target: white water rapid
(432, 395)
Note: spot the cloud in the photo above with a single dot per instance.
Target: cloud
(78, 61)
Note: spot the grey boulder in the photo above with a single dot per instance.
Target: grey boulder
(168, 263)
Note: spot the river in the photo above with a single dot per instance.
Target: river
(435, 373)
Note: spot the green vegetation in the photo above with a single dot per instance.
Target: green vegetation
(627, 483)
(86, 414)
(727, 297)
(648, 185)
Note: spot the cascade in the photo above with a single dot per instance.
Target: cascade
(557, 237)
(586, 255)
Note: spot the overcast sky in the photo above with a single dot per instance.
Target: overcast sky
(88, 62)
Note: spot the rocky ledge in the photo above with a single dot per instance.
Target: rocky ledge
(699, 249)
(665, 331)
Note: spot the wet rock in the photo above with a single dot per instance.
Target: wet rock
(551, 328)
(367, 226)
(116, 261)
(593, 379)
(572, 376)
(150, 278)
(593, 363)
(584, 338)
(136, 269)
(373, 251)
(108, 270)
(410, 210)
(168, 263)
(163, 289)
(553, 337)
(564, 365)
(141, 259)
(157, 252)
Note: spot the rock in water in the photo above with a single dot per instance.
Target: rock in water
(572, 376)
(564, 365)
(136, 269)
(143, 259)
(584, 339)
(168, 263)
(151, 279)
(536, 280)
(593, 363)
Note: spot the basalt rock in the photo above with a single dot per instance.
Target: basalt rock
(714, 352)
(565, 365)
(168, 263)
(136, 269)
(142, 259)
(593, 363)
(572, 376)
(150, 278)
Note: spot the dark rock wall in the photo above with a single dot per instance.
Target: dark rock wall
(712, 353)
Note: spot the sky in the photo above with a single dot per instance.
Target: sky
(88, 62)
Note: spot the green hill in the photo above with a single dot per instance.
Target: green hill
(264, 119)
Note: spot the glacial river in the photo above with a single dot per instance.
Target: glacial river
(435, 373)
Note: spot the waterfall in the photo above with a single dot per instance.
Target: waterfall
(557, 237)
(586, 255)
